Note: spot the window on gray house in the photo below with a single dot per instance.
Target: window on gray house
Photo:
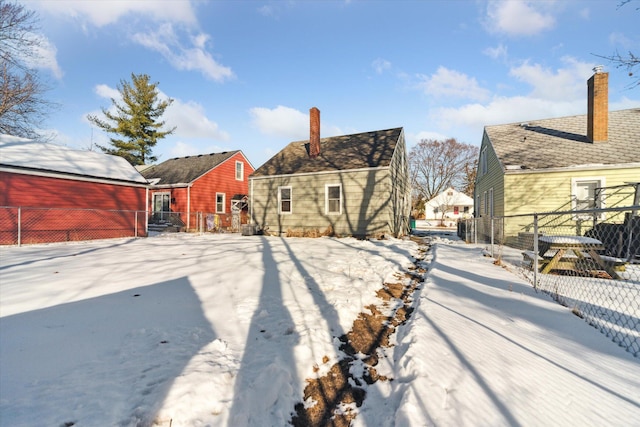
(284, 200)
(333, 201)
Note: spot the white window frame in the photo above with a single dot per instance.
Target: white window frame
(224, 202)
(326, 199)
(241, 171)
(600, 204)
(280, 211)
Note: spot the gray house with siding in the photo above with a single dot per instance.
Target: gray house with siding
(350, 185)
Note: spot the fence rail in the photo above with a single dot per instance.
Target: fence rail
(27, 225)
(30, 225)
(588, 260)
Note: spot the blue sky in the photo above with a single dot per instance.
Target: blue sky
(244, 74)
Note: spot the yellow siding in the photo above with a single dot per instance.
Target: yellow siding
(551, 191)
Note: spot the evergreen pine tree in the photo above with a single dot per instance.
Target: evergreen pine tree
(135, 121)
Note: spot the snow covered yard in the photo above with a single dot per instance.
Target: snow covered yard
(223, 330)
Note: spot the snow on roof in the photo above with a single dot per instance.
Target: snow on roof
(34, 155)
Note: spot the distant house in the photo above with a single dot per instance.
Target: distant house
(449, 206)
(354, 185)
(560, 164)
(51, 193)
(207, 189)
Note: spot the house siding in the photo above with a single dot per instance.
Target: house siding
(366, 203)
(494, 178)
(400, 189)
(552, 191)
(201, 196)
(45, 196)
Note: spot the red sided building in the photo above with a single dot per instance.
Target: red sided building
(208, 190)
(51, 193)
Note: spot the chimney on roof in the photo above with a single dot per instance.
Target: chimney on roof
(598, 106)
(314, 137)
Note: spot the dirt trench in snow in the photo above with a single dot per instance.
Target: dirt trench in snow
(336, 392)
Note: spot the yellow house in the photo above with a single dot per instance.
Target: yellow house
(560, 164)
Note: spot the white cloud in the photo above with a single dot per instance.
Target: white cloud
(101, 13)
(288, 123)
(191, 121)
(44, 56)
(585, 13)
(518, 17)
(194, 57)
(566, 83)
(189, 117)
(107, 92)
(381, 65)
(451, 83)
(552, 93)
(281, 121)
(498, 52)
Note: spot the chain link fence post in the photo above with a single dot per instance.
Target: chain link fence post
(535, 252)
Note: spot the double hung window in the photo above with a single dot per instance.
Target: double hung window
(285, 205)
(333, 199)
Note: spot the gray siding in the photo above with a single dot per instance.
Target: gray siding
(401, 189)
(366, 203)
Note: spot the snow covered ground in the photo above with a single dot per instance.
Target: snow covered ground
(223, 330)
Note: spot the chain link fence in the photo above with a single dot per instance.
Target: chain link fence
(29, 225)
(26, 225)
(587, 260)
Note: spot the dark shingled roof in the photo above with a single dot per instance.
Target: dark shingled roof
(562, 142)
(357, 151)
(186, 169)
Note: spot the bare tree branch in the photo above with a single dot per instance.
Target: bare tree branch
(436, 165)
(22, 107)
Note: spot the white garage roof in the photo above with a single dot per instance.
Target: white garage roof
(42, 156)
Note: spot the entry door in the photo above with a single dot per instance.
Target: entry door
(161, 205)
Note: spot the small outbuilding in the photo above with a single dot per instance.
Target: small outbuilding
(52, 193)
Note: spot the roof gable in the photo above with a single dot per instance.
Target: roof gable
(562, 142)
(347, 152)
(46, 157)
(183, 170)
(455, 199)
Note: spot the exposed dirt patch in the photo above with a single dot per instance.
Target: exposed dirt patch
(330, 399)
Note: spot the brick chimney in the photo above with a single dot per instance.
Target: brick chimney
(314, 137)
(598, 106)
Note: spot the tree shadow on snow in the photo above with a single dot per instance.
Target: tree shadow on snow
(109, 360)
